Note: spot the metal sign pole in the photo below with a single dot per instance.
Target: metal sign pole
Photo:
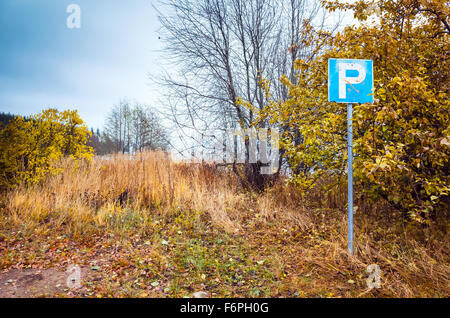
(345, 87)
(350, 176)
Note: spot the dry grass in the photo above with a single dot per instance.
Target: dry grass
(286, 243)
(92, 192)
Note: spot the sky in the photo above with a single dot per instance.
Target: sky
(43, 63)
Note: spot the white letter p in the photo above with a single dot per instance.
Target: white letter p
(343, 79)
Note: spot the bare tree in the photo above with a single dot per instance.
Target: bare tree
(117, 125)
(223, 50)
(134, 128)
(146, 129)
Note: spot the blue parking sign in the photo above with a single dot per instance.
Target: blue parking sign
(350, 81)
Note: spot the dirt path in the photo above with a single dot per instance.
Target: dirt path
(41, 283)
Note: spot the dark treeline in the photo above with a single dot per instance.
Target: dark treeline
(5, 118)
(129, 128)
(100, 142)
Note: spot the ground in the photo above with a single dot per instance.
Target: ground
(40, 283)
(150, 227)
(181, 256)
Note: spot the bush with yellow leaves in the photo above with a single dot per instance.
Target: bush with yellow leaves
(30, 147)
(402, 140)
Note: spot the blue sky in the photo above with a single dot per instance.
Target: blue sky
(45, 64)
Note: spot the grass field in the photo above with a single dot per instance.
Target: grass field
(152, 227)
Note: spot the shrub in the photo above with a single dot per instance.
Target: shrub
(30, 147)
(402, 141)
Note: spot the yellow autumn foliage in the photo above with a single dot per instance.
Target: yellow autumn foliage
(402, 140)
(30, 147)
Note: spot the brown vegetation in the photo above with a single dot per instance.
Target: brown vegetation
(116, 211)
